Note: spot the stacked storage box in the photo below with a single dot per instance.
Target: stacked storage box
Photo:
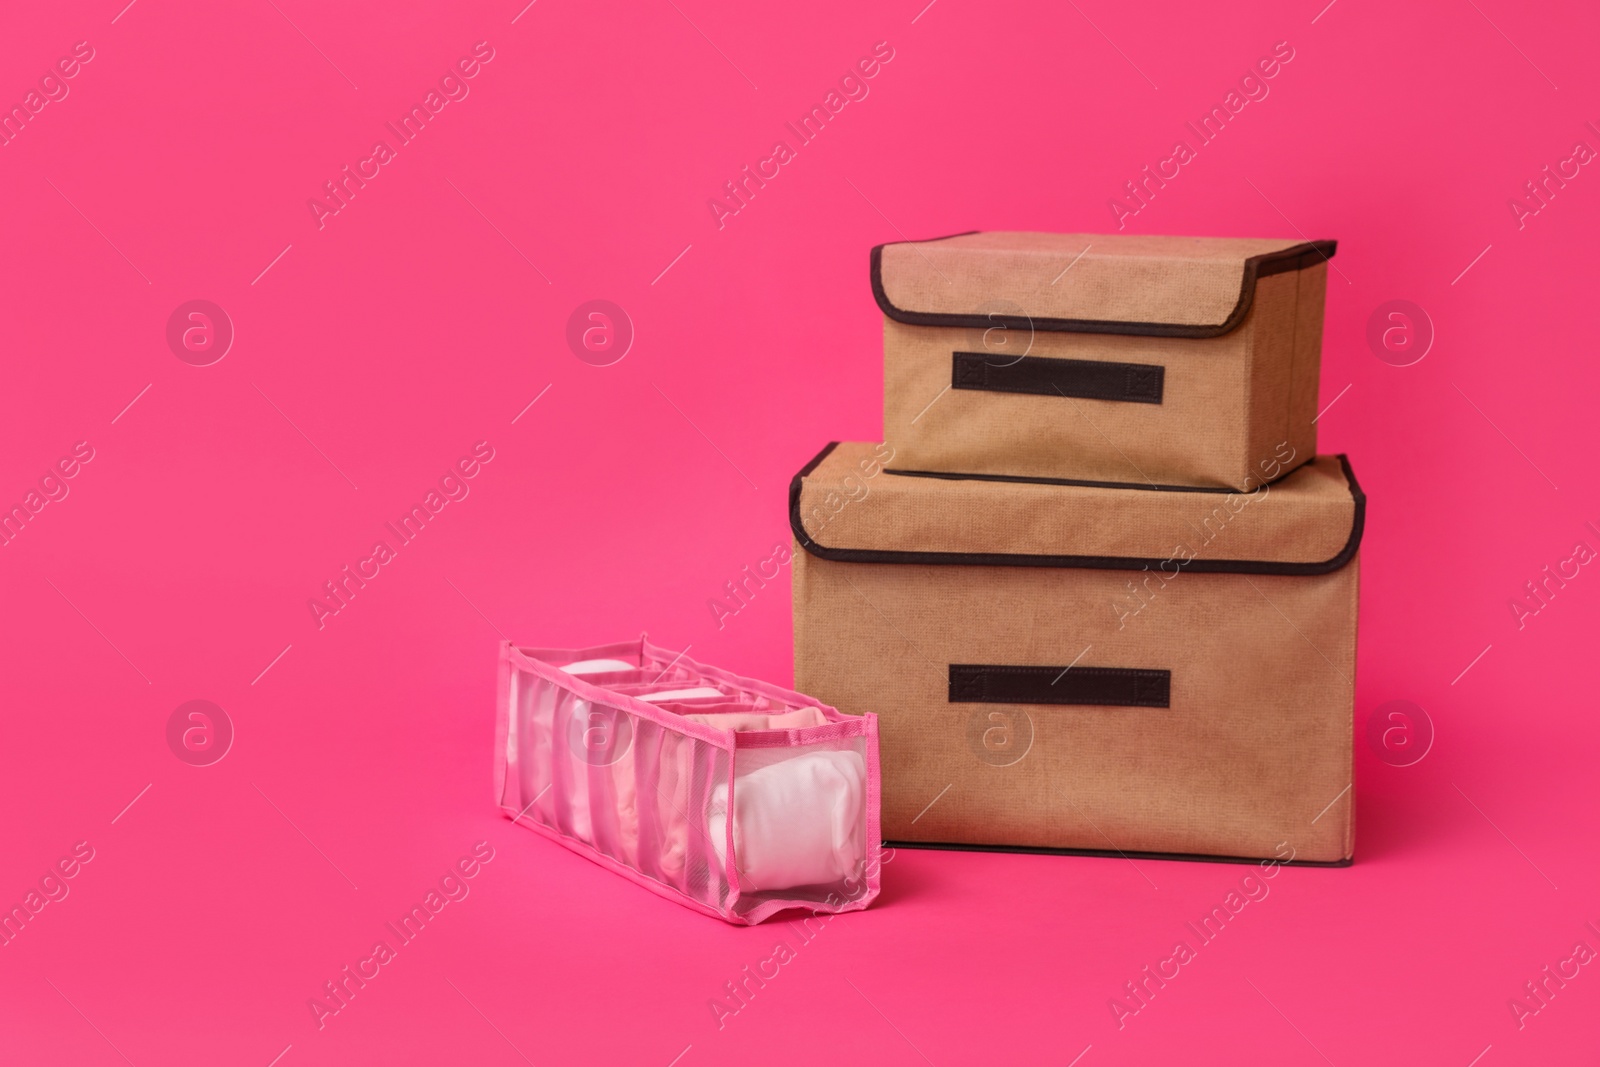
(1096, 582)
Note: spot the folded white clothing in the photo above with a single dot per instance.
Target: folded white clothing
(796, 822)
(699, 692)
(598, 666)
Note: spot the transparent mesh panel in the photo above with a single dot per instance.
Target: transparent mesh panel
(800, 823)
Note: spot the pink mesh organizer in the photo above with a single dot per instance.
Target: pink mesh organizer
(634, 755)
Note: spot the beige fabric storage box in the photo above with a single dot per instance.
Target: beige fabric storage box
(1085, 668)
(1107, 358)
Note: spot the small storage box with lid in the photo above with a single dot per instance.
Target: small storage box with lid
(1126, 359)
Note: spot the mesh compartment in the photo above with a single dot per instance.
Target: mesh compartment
(646, 789)
(800, 825)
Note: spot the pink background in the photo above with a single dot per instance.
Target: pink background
(419, 320)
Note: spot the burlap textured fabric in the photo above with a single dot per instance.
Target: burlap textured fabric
(946, 605)
(1222, 339)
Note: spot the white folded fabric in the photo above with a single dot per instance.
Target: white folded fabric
(796, 822)
(598, 666)
(699, 692)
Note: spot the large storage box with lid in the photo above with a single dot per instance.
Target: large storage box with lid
(1118, 669)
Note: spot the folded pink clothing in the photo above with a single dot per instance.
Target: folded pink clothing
(796, 822)
(797, 719)
(645, 788)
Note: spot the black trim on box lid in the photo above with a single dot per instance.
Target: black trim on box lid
(1020, 559)
(1113, 853)
(1296, 257)
(1033, 480)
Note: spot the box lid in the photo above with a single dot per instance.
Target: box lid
(1083, 282)
(845, 506)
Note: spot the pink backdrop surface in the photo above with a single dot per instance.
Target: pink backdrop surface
(376, 345)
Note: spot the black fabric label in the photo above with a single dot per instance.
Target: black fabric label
(1119, 687)
(1134, 383)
